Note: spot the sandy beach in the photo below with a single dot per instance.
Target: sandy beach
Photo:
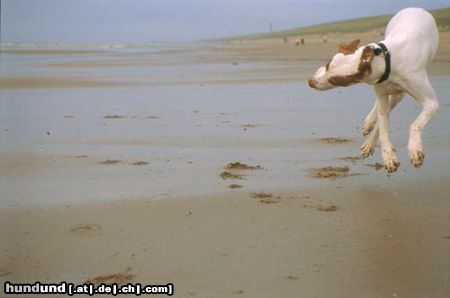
(214, 167)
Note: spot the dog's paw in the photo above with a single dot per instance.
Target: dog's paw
(391, 165)
(415, 152)
(366, 150)
(391, 162)
(416, 157)
(367, 127)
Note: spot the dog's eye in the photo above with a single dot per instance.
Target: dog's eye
(377, 51)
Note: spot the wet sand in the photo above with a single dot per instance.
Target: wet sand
(125, 182)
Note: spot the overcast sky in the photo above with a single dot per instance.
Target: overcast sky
(141, 21)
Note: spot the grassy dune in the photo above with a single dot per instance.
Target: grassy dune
(442, 17)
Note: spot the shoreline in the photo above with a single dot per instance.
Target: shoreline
(283, 62)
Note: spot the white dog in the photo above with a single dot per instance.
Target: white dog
(394, 66)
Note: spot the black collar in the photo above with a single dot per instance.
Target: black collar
(387, 59)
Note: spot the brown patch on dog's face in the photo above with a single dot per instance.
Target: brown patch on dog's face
(363, 72)
(350, 48)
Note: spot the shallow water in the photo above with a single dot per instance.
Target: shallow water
(200, 127)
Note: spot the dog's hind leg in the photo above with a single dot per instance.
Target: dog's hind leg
(368, 146)
(420, 88)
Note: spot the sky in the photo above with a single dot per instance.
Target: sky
(146, 21)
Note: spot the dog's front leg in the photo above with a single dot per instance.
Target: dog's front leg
(368, 146)
(370, 120)
(391, 162)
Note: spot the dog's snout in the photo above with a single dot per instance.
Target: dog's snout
(312, 83)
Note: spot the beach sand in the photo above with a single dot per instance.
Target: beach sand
(214, 167)
(377, 242)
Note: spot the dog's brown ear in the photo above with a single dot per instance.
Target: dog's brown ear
(365, 63)
(363, 73)
(350, 48)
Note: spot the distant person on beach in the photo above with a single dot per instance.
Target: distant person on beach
(297, 42)
(324, 39)
(303, 41)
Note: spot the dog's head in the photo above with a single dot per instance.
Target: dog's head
(350, 66)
